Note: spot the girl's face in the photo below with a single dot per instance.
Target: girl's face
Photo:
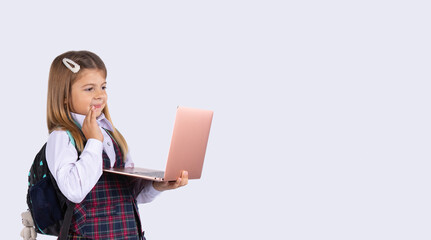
(89, 90)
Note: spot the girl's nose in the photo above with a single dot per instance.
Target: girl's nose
(99, 94)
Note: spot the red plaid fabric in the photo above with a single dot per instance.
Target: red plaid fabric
(109, 211)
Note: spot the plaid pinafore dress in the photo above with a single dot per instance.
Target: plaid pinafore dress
(109, 211)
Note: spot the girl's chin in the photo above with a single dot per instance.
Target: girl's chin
(98, 111)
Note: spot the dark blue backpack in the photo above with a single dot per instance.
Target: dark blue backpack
(51, 210)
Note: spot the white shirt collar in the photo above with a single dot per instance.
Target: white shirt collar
(101, 120)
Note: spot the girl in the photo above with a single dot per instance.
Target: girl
(106, 204)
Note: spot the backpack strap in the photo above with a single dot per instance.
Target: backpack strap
(64, 230)
(71, 138)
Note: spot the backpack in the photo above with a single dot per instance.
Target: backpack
(51, 210)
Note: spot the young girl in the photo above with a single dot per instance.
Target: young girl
(106, 204)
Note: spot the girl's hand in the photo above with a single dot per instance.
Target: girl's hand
(90, 127)
(181, 181)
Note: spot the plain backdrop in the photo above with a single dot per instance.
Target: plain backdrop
(321, 124)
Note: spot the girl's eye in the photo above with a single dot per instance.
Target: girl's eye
(104, 88)
(89, 89)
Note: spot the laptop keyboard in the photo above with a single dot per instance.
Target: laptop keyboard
(155, 173)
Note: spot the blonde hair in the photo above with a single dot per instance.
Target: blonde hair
(59, 91)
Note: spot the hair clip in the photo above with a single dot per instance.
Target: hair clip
(75, 67)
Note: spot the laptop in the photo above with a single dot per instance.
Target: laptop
(187, 151)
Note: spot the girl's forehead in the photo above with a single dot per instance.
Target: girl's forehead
(90, 76)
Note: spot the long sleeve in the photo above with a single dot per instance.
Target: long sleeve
(148, 193)
(75, 177)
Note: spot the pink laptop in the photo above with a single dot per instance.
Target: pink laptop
(187, 150)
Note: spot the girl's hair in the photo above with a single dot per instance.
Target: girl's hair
(60, 83)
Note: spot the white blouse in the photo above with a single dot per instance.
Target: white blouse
(76, 178)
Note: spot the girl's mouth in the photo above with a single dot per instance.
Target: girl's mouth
(97, 106)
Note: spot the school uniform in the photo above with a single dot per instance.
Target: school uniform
(106, 204)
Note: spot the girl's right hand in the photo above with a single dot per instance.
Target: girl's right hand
(90, 127)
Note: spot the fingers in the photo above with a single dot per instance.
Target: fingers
(182, 180)
(90, 128)
(93, 115)
(88, 116)
(89, 113)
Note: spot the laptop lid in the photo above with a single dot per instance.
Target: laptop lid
(187, 150)
(188, 143)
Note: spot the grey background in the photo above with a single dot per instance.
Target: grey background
(321, 126)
